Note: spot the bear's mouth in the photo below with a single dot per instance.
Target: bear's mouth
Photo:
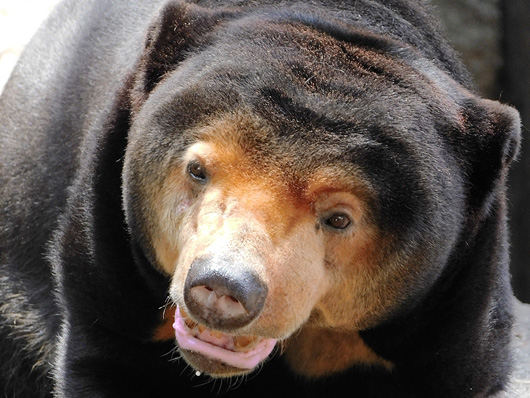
(242, 352)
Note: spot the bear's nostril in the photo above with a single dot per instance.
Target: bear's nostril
(230, 308)
(222, 293)
(225, 305)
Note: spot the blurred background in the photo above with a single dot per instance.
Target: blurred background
(493, 38)
(19, 19)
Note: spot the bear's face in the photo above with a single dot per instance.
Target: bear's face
(294, 203)
(226, 216)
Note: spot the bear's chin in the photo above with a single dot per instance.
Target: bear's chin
(211, 367)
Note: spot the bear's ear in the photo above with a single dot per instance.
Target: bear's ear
(179, 29)
(491, 135)
(504, 126)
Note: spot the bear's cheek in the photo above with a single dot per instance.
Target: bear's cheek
(172, 206)
(171, 232)
(363, 282)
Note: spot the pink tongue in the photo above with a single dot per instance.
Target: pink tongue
(219, 348)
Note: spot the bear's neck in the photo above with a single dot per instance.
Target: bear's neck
(456, 340)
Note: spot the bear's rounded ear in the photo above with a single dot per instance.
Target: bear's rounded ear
(504, 125)
(179, 28)
(489, 141)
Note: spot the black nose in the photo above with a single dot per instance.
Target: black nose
(223, 293)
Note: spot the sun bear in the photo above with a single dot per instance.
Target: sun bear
(248, 198)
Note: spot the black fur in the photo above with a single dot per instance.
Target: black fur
(364, 83)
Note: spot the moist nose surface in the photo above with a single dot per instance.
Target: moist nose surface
(223, 293)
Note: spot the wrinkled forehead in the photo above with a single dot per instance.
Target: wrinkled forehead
(242, 145)
(290, 72)
(312, 115)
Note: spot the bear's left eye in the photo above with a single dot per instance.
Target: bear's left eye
(197, 172)
(338, 221)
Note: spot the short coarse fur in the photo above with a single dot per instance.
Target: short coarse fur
(110, 95)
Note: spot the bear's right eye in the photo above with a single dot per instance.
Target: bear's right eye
(197, 172)
(338, 221)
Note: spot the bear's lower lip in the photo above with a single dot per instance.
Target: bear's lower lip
(243, 352)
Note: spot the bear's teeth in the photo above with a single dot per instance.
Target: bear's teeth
(239, 343)
(245, 343)
(216, 334)
(190, 323)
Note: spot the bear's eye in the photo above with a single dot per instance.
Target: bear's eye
(197, 172)
(338, 221)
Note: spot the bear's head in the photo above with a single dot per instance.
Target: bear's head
(300, 182)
